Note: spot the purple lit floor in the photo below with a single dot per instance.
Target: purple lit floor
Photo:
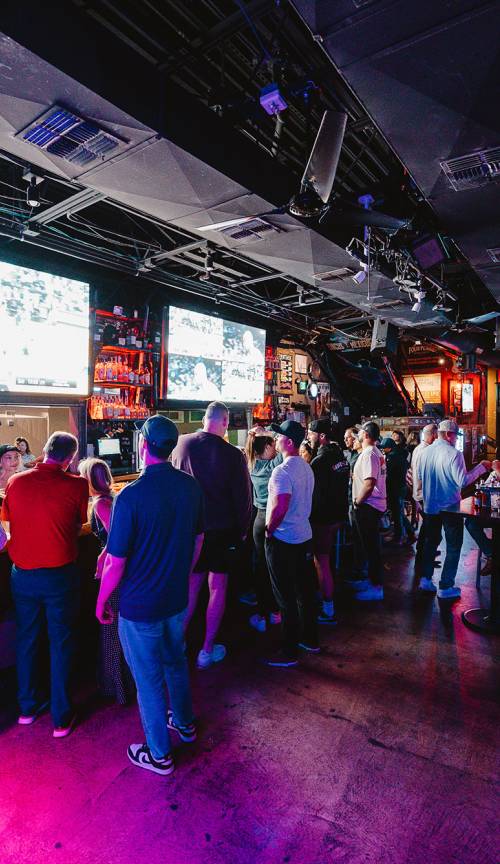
(383, 749)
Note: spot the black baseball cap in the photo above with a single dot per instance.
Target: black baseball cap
(159, 431)
(322, 426)
(291, 429)
(8, 448)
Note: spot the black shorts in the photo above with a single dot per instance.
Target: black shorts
(218, 553)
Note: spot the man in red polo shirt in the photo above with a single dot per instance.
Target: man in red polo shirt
(45, 508)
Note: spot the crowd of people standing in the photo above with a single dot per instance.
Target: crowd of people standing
(182, 524)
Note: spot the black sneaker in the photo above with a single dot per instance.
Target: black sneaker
(312, 649)
(140, 755)
(280, 660)
(185, 733)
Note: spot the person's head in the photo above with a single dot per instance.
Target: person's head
(290, 436)
(429, 433)
(10, 457)
(448, 431)
(22, 445)
(157, 439)
(60, 449)
(216, 419)
(97, 475)
(320, 433)
(399, 438)
(350, 437)
(200, 376)
(306, 451)
(387, 445)
(259, 447)
(369, 434)
(413, 439)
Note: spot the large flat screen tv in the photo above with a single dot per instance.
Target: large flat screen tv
(209, 358)
(44, 333)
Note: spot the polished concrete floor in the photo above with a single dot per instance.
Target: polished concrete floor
(382, 749)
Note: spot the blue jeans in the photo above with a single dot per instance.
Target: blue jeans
(478, 534)
(155, 654)
(454, 533)
(50, 593)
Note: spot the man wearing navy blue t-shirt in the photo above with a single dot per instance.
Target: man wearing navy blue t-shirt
(155, 536)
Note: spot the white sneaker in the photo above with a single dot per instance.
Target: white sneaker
(374, 592)
(208, 658)
(275, 617)
(449, 593)
(427, 585)
(258, 623)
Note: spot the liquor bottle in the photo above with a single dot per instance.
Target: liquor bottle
(108, 371)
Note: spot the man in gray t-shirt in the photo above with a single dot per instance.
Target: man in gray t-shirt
(288, 545)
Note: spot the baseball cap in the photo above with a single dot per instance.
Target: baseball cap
(322, 426)
(159, 430)
(448, 426)
(387, 443)
(291, 429)
(8, 448)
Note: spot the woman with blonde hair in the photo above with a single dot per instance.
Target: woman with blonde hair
(114, 676)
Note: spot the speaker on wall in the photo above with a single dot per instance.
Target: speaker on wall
(384, 337)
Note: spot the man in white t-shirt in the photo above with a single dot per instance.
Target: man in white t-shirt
(369, 501)
(289, 547)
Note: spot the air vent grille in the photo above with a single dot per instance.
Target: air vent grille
(254, 230)
(474, 170)
(494, 254)
(69, 137)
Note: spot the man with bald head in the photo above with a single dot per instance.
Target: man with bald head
(429, 435)
(222, 473)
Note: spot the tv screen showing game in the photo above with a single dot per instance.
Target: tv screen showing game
(44, 333)
(209, 358)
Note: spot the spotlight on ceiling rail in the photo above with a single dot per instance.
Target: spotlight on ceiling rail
(32, 192)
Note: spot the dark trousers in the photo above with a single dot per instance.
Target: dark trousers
(366, 533)
(396, 503)
(294, 586)
(454, 533)
(266, 601)
(359, 562)
(48, 594)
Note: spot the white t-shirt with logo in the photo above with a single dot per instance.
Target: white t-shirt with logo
(293, 477)
(370, 463)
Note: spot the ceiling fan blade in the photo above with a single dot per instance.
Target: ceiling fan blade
(322, 164)
(358, 216)
(481, 319)
(240, 220)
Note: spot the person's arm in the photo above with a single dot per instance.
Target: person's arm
(459, 473)
(366, 490)
(279, 508)
(3, 537)
(112, 575)
(103, 507)
(198, 543)
(242, 496)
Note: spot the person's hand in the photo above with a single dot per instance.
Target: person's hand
(104, 612)
(486, 463)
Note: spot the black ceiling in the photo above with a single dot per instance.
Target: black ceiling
(157, 60)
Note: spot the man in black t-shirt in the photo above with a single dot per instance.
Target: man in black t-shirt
(156, 534)
(329, 508)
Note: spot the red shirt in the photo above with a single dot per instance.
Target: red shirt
(45, 507)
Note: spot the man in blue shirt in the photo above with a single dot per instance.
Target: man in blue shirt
(155, 536)
(442, 472)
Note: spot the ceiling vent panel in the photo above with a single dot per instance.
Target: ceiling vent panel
(71, 138)
(474, 170)
(257, 229)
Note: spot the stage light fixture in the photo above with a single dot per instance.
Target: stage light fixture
(33, 192)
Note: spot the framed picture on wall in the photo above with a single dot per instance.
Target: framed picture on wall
(301, 364)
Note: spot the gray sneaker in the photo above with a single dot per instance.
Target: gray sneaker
(208, 658)
(452, 593)
(427, 585)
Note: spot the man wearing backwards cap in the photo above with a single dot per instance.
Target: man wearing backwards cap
(288, 545)
(155, 536)
(441, 469)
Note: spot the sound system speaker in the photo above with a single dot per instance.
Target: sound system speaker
(384, 337)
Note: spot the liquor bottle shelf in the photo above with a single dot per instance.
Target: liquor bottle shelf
(122, 349)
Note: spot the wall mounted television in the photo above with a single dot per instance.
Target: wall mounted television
(208, 358)
(44, 333)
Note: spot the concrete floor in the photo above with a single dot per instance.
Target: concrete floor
(383, 749)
